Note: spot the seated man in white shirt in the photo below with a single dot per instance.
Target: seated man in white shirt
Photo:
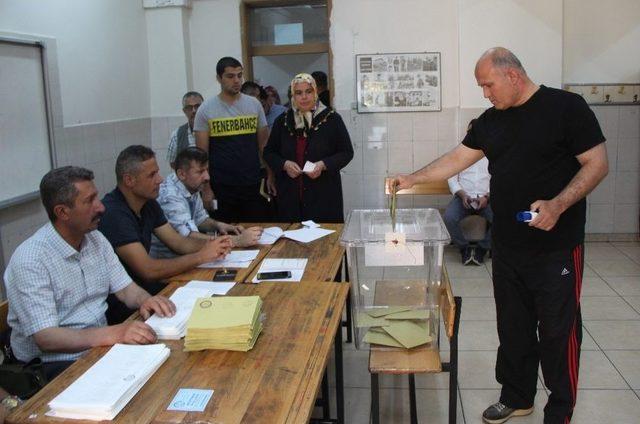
(180, 200)
(471, 190)
(58, 280)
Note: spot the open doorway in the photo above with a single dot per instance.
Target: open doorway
(283, 38)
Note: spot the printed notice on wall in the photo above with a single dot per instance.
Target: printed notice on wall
(398, 82)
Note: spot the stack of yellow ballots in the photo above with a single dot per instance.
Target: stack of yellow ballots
(225, 323)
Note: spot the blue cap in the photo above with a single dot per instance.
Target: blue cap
(524, 216)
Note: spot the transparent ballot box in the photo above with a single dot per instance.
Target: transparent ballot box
(395, 275)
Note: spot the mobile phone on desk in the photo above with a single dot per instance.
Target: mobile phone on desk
(225, 275)
(274, 275)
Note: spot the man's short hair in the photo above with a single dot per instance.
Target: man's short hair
(252, 88)
(191, 94)
(190, 154)
(227, 62)
(57, 187)
(129, 160)
(504, 59)
(321, 78)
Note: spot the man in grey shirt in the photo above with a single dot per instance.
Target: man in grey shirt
(58, 280)
(232, 128)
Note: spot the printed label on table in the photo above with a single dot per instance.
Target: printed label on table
(192, 400)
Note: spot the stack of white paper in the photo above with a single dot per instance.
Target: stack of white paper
(105, 388)
(234, 259)
(296, 266)
(175, 327)
(303, 235)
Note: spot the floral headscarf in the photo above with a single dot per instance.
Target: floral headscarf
(303, 119)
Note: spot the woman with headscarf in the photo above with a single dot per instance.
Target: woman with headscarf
(307, 148)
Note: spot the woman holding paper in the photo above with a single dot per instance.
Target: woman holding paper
(307, 148)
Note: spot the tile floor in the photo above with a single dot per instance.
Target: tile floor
(609, 385)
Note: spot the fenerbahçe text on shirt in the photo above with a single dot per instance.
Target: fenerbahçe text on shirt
(237, 125)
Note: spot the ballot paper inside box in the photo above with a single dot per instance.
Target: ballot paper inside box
(395, 270)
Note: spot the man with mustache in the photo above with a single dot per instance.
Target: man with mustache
(58, 280)
(181, 203)
(132, 215)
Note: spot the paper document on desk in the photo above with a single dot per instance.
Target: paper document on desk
(303, 235)
(191, 400)
(214, 288)
(295, 266)
(306, 235)
(106, 388)
(174, 328)
(234, 259)
(310, 224)
(270, 235)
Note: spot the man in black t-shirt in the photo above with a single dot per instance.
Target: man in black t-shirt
(546, 152)
(132, 214)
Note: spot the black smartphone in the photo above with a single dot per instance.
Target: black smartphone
(276, 275)
(225, 275)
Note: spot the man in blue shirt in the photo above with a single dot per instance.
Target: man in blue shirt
(181, 203)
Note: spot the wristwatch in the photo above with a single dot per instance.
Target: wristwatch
(10, 402)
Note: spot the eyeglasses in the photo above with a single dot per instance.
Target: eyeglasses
(191, 107)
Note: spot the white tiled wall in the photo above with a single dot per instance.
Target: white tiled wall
(390, 143)
(614, 204)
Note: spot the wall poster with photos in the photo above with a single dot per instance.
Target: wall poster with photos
(398, 82)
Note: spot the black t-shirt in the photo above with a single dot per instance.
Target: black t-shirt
(532, 153)
(121, 226)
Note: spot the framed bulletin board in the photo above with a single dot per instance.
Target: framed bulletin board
(398, 82)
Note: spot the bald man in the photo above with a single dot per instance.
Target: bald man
(546, 152)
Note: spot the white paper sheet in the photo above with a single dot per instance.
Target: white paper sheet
(105, 388)
(306, 235)
(213, 287)
(309, 167)
(296, 266)
(235, 259)
(173, 328)
(310, 224)
(270, 235)
(390, 254)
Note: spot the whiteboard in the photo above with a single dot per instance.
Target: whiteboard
(25, 146)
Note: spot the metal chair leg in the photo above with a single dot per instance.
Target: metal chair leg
(326, 412)
(412, 399)
(375, 397)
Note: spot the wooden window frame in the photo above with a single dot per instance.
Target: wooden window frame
(248, 51)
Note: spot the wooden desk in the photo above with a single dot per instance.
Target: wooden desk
(276, 382)
(207, 273)
(325, 254)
